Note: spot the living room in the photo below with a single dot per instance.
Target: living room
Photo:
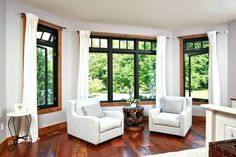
(137, 27)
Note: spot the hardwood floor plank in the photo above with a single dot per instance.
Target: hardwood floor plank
(131, 144)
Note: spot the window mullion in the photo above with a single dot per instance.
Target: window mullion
(189, 75)
(136, 70)
(110, 71)
(46, 76)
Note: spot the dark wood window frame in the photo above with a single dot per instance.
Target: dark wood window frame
(135, 52)
(58, 106)
(182, 71)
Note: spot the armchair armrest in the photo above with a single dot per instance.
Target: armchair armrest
(114, 114)
(88, 125)
(185, 120)
(152, 113)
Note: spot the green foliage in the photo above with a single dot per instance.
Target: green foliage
(123, 74)
(199, 72)
(41, 77)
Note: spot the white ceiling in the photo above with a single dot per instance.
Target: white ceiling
(148, 13)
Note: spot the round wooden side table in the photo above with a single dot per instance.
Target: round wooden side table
(133, 118)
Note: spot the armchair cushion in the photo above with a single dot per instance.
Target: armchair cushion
(93, 110)
(108, 123)
(174, 105)
(168, 119)
(81, 103)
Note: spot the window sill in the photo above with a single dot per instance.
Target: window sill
(199, 102)
(49, 110)
(109, 104)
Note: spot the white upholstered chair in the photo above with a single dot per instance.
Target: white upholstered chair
(173, 116)
(91, 128)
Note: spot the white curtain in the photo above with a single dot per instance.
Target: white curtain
(160, 68)
(214, 87)
(30, 72)
(82, 89)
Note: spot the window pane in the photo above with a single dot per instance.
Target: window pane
(115, 44)
(199, 76)
(154, 46)
(205, 44)
(131, 44)
(123, 44)
(103, 43)
(186, 74)
(50, 74)
(123, 76)
(39, 34)
(141, 45)
(95, 42)
(148, 46)
(98, 77)
(147, 76)
(189, 45)
(41, 77)
(197, 45)
(46, 36)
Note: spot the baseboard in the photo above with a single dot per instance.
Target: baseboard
(3, 145)
(199, 118)
(52, 128)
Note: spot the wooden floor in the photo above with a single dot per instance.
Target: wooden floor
(132, 144)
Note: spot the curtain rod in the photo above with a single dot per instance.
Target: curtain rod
(23, 14)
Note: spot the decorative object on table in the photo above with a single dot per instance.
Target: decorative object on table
(225, 148)
(132, 101)
(133, 118)
(19, 108)
(12, 122)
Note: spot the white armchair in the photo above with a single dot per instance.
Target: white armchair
(174, 116)
(90, 128)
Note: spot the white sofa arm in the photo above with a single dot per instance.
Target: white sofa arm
(116, 114)
(152, 113)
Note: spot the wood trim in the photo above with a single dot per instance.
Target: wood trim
(52, 128)
(23, 16)
(51, 109)
(181, 49)
(193, 36)
(48, 24)
(109, 104)
(199, 118)
(3, 145)
(119, 35)
(199, 102)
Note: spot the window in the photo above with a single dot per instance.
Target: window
(195, 65)
(120, 68)
(48, 68)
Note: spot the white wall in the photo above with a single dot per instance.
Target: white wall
(222, 45)
(232, 59)
(2, 70)
(69, 54)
